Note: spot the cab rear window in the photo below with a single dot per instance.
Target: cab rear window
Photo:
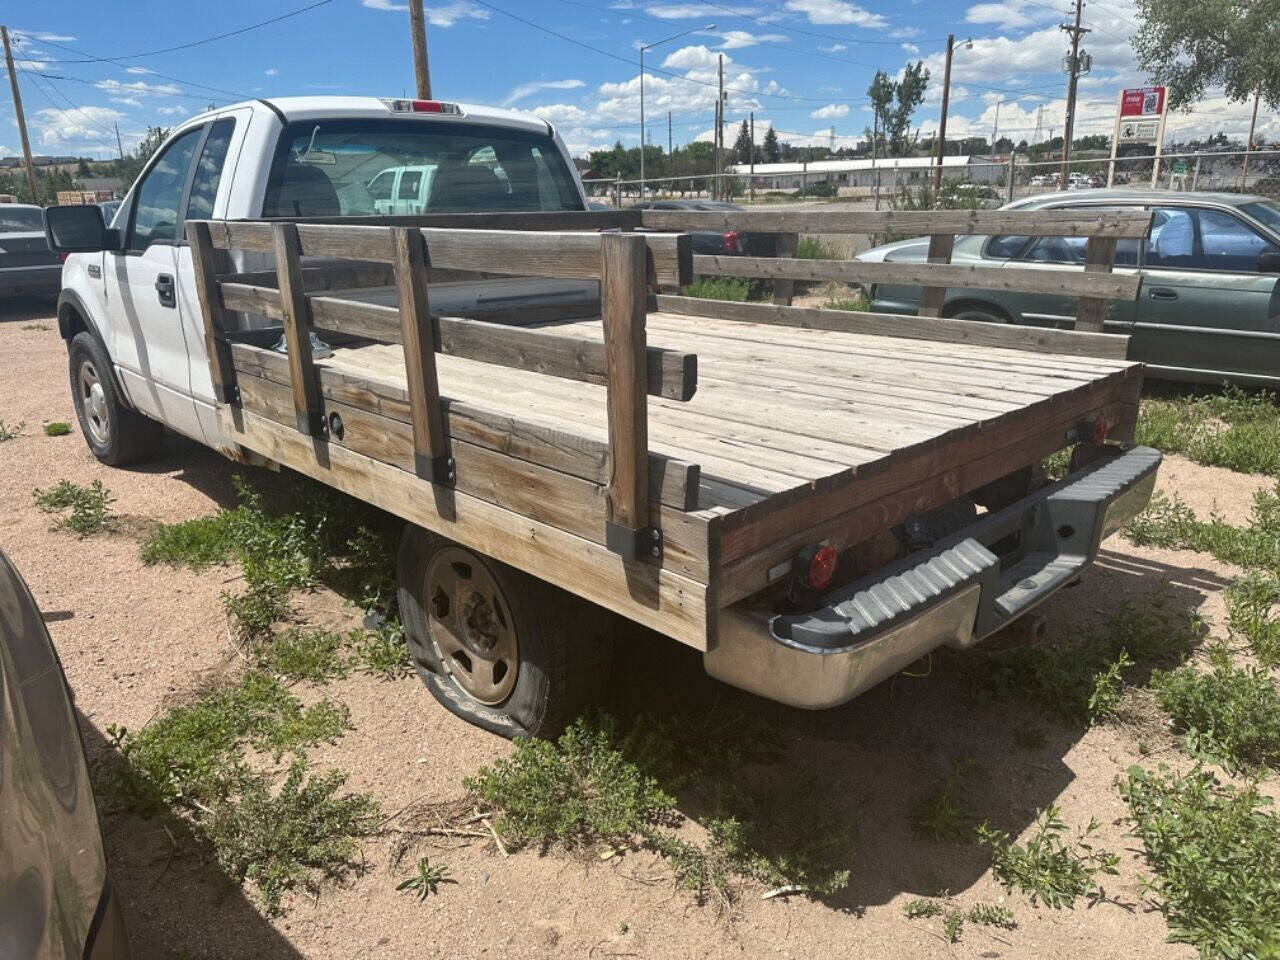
(348, 167)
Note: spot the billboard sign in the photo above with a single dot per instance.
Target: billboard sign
(1142, 102)
(1139, 131)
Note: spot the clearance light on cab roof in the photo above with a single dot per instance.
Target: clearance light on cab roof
(422, 106)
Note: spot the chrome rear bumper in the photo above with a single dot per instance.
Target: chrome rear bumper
(956, 593)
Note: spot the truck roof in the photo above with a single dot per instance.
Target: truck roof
(330, 107)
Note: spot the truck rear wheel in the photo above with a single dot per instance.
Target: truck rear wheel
(497, 647)
(115, 433)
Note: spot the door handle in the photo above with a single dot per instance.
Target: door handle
(165, 289)
(1162, 293)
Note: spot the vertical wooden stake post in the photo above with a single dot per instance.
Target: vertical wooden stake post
(623, 302)
(307, 407)
(1099, 255)
(430, 449)
(206, 262)
(931, 298)
(783, 290)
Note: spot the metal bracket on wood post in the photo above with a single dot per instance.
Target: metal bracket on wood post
(633, 544)
(441, 470)
(311, 421)
(227, 393)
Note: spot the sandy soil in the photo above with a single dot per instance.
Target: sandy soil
(133, 638)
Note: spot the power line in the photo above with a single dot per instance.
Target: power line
(74, 109)
(122, 88)
(186, 46)
(811, 33)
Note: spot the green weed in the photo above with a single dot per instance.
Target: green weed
(426, 880)
(1172, 524)
(57, 428)
(1215, 853)
(848, 303)
(382, 652)
(920, 907)
(952, 926)
(1229, 715)
(298, 654)
(90, 506)
(1083, 681)
(35, 326)
(941, 816)
(1251, 601)
(1048, 869)
(298, 835)
(811, 248)
(11, 431)
(719, 288)
(991, 915)
(600, 790)
(1232, 429)
(198, 543)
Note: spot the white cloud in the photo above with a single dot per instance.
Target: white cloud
(59, 128)
(172, 111)
(836, 12)
(694, 58)
(687, 11)
(911, 48)
(736, 39)
(139, 88)
(445, 16)
(830, 111)
(834, 48)
(527, 89)
(138, 71)
(1010, 14)
(127, 101)
(271, 71)
(19, 35)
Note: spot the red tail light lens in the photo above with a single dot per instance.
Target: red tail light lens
(732, 242)
(62, 257)
(1099, 433)
(821, 568)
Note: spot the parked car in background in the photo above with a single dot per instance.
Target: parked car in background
(723, 243)
(1044, 179)
(55, 898)
(1209, 306)
(27, 265)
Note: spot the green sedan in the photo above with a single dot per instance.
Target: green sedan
(1209, 307)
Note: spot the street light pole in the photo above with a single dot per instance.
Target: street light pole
(946, 99)
(643, 48)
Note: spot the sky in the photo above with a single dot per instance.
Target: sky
(802, 66)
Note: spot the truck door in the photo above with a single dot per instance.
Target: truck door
(1203, 304)
(145, 331)
(408, 192)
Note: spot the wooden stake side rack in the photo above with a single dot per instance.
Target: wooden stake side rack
(591, 450)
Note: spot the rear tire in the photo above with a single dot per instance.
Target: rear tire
(115, 433)
(977, 313)
(497, 647)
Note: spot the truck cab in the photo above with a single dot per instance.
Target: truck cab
(144, 360)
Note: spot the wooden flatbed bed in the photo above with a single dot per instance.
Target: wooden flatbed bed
(790, 427)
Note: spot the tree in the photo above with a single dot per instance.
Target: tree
(742, 146)
(128, 168)
(881, 95)
(772, 152)
(1193, 47)
(82, 169)
(893, 103)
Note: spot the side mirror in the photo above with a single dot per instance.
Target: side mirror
(1269, 262)
(78, 229)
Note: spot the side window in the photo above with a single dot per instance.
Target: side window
(1172, 240)
(204, 186)
(409, 183)
(1056, 250)
(1002, 248)
(156, 211)
(380, 186)
(1228, 244)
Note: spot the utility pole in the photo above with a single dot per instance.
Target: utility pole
(719, 192)
(995, 129)
(1244, 173)
(421, 70)
(668, 133)
(1076, 33)
(942, 122)
(22, 120)
(119, 145)
(751, 154)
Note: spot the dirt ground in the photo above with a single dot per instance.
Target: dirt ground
(132, 638)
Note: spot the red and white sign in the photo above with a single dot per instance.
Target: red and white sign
(1142, 102)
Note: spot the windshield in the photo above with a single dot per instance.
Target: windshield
(1264, 211)
(346, 168)
(20, 220)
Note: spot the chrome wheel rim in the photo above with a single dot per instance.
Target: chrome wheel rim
(471, 625)
(93, 402)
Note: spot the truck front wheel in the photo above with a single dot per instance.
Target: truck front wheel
(497, 647)
(115, 433)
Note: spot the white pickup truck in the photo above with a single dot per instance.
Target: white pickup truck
(144, 363)
(806, 516)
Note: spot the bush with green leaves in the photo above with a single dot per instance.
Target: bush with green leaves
(11, 431)
(90, 507)
(57, 428)
(1235, 429)
(1053, 868)
(1214, 851)
(941, 815)
(426, 879)
(1172, 524)
(719, 288)
(1230, 715)
(1251, 604)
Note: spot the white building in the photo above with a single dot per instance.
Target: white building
(902, 171)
